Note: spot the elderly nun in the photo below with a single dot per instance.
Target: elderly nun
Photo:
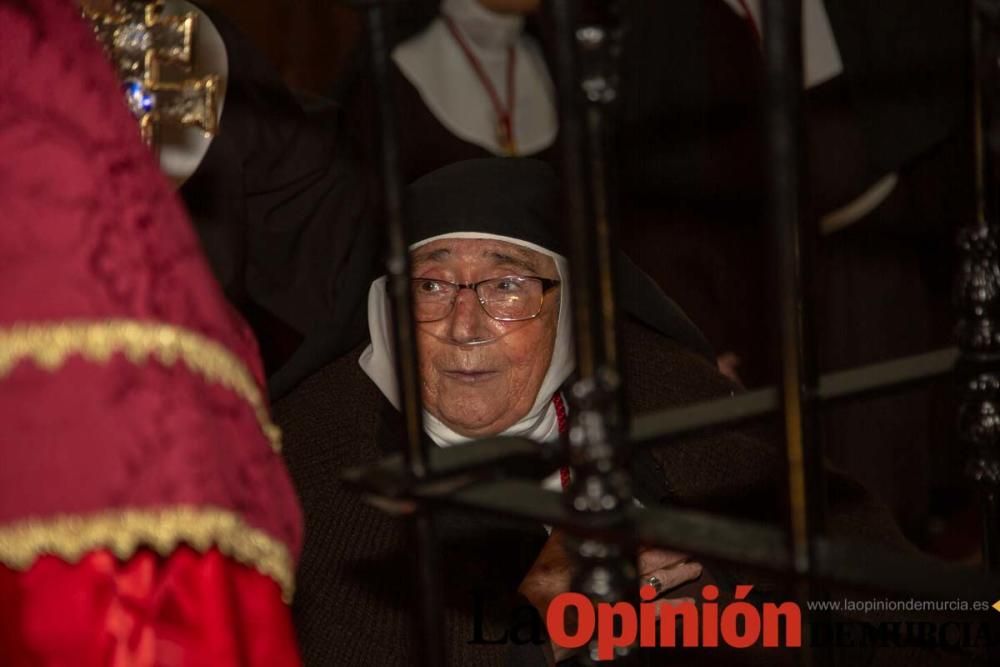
(495, 347)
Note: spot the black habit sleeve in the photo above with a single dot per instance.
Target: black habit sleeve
(284, 217)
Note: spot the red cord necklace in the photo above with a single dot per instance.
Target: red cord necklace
(564, 476)
(504, 114)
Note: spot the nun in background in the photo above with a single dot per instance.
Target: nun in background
(470, 80)
(495, 350)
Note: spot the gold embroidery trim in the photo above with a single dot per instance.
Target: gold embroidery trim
(70, 537)
(50, 345)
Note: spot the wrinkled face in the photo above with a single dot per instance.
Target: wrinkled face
(511, 6)
(480, 390)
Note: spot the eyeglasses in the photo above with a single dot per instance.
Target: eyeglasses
(506, 299)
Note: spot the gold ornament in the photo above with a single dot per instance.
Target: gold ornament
(50, 344)
(70, 537)
(141, 41)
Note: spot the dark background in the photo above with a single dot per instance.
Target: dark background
(307, 40)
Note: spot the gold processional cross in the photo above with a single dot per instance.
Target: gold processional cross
(140, 40)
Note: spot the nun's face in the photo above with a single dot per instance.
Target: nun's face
(482, 389)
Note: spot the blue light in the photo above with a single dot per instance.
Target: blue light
(140, 101)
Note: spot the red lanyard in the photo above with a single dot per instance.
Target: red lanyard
(505, 114)
(563, 429)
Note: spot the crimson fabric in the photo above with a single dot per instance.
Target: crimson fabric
(188, 609)
(139, 437)
(91, 228)
(91, 231)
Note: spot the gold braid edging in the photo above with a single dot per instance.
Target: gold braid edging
(50, 345)
(70, 537)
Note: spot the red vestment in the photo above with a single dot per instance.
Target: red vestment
(145, 514)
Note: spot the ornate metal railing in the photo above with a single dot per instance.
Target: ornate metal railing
(600, 513)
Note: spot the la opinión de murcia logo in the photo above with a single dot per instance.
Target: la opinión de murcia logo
(737, 624)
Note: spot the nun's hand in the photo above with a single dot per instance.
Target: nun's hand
(552, 572)
(665, 570)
